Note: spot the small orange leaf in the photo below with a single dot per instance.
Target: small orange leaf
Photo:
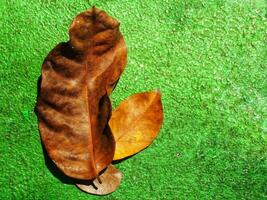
(136, 123)
(106, 183)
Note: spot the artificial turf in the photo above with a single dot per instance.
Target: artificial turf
(209, 58)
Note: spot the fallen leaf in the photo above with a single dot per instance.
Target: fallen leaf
(73, 105)
(136, 123)
(106, 183)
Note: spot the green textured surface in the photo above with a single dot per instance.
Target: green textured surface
(208, 57)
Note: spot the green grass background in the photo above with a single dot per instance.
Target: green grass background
(209, 58)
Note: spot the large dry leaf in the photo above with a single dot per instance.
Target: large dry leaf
(73, 105)
(106, 183)
(136, 123)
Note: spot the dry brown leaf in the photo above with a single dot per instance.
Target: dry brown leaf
(73, 104)
(136, 123)
(106, 183)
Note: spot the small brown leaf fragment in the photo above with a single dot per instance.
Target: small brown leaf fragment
(136, 123)
(106, 183)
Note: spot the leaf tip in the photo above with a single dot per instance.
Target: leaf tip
(158, 91)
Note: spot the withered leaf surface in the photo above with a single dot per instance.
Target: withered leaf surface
(106, 183)
(73, 104)
(136, 123)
